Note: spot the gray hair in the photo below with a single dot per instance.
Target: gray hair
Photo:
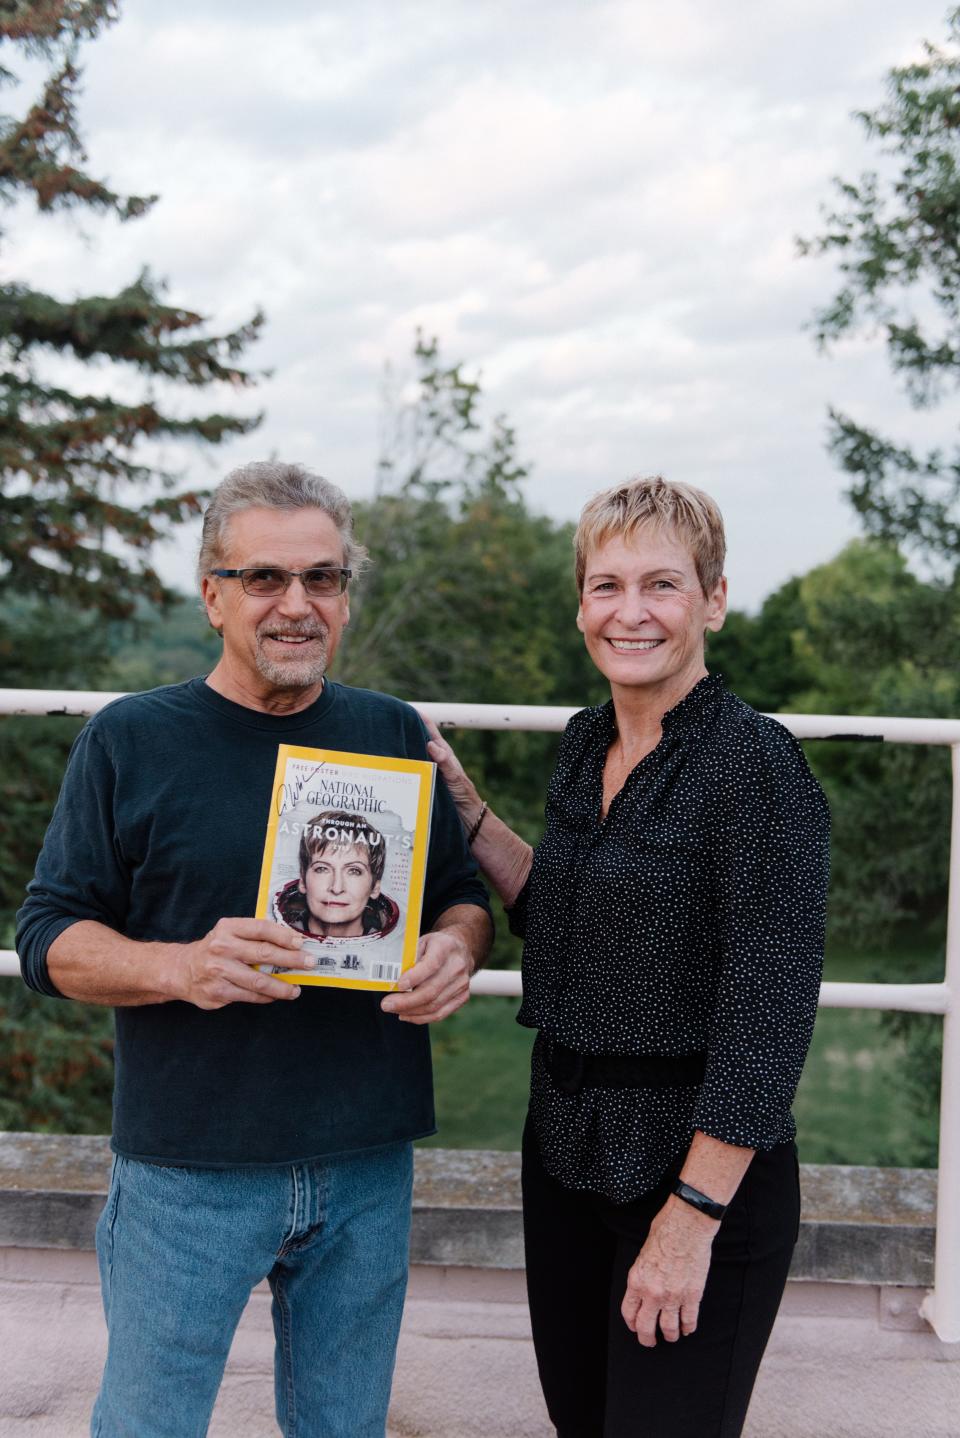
(268, 484)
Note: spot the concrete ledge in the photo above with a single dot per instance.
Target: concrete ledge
(850, 1355)
(859, 1225)
(466, 1209)
(52, 1188)
(866, 1225)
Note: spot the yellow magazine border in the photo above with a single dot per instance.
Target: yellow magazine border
(418, 866)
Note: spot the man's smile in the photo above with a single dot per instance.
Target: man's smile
(292, 637)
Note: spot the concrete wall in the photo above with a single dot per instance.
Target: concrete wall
(849, 1358)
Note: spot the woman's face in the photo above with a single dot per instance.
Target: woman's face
(643, 613)
(337, 886)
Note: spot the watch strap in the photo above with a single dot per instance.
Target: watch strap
(699, 1200)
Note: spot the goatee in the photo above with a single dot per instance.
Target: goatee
(299, 671)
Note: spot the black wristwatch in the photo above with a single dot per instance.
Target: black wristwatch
(699, 1200)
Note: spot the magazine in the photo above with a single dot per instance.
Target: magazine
(344, 862)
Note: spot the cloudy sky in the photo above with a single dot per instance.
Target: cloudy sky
(593, 203)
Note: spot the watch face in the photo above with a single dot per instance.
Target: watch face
(699, 1200)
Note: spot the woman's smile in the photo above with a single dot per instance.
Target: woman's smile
(632, 645)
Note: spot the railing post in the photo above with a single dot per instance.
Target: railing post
(942, 1307)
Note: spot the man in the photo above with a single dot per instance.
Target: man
(261, 1129)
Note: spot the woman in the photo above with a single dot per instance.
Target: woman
(342, 858)
(673, 918)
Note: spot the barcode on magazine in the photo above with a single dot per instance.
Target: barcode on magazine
(390, 972)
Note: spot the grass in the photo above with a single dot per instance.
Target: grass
(481, 1061)
(853, 1105)
(850, 1107)
(856, 1102)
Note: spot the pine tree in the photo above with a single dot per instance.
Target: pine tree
(79, 509)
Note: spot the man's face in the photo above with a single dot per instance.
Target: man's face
(337, 886)
(287, 642)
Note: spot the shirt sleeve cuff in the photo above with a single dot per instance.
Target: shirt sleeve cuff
(517, 912)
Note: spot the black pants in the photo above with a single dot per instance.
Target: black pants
(598, 1381)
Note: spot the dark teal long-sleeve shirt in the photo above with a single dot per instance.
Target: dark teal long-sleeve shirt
(158, 833)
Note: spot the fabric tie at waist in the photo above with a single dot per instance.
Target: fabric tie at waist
(571, 1071)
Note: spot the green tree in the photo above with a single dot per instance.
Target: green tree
(863, 635)
(470, 595)
(884, 643)
(880, 641)
(896, 234)
(80, 506)
(759, 655)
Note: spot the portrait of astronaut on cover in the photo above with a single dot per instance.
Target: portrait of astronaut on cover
(338, 895)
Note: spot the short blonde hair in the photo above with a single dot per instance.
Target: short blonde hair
(658, 503)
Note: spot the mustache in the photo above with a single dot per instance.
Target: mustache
(303, 629)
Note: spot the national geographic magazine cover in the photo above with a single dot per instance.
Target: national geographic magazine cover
(344, 862)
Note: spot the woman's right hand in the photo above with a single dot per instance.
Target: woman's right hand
(458, 781)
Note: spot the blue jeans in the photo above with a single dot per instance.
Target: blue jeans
(180, 1250)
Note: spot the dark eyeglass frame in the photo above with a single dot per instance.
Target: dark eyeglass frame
(285, 578)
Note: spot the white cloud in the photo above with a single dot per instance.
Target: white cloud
(593, 202)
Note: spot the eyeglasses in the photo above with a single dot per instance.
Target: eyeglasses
(268, 582)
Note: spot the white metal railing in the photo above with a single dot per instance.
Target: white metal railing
(941, 1307)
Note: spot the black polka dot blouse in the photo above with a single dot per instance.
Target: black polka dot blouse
(689, 921)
